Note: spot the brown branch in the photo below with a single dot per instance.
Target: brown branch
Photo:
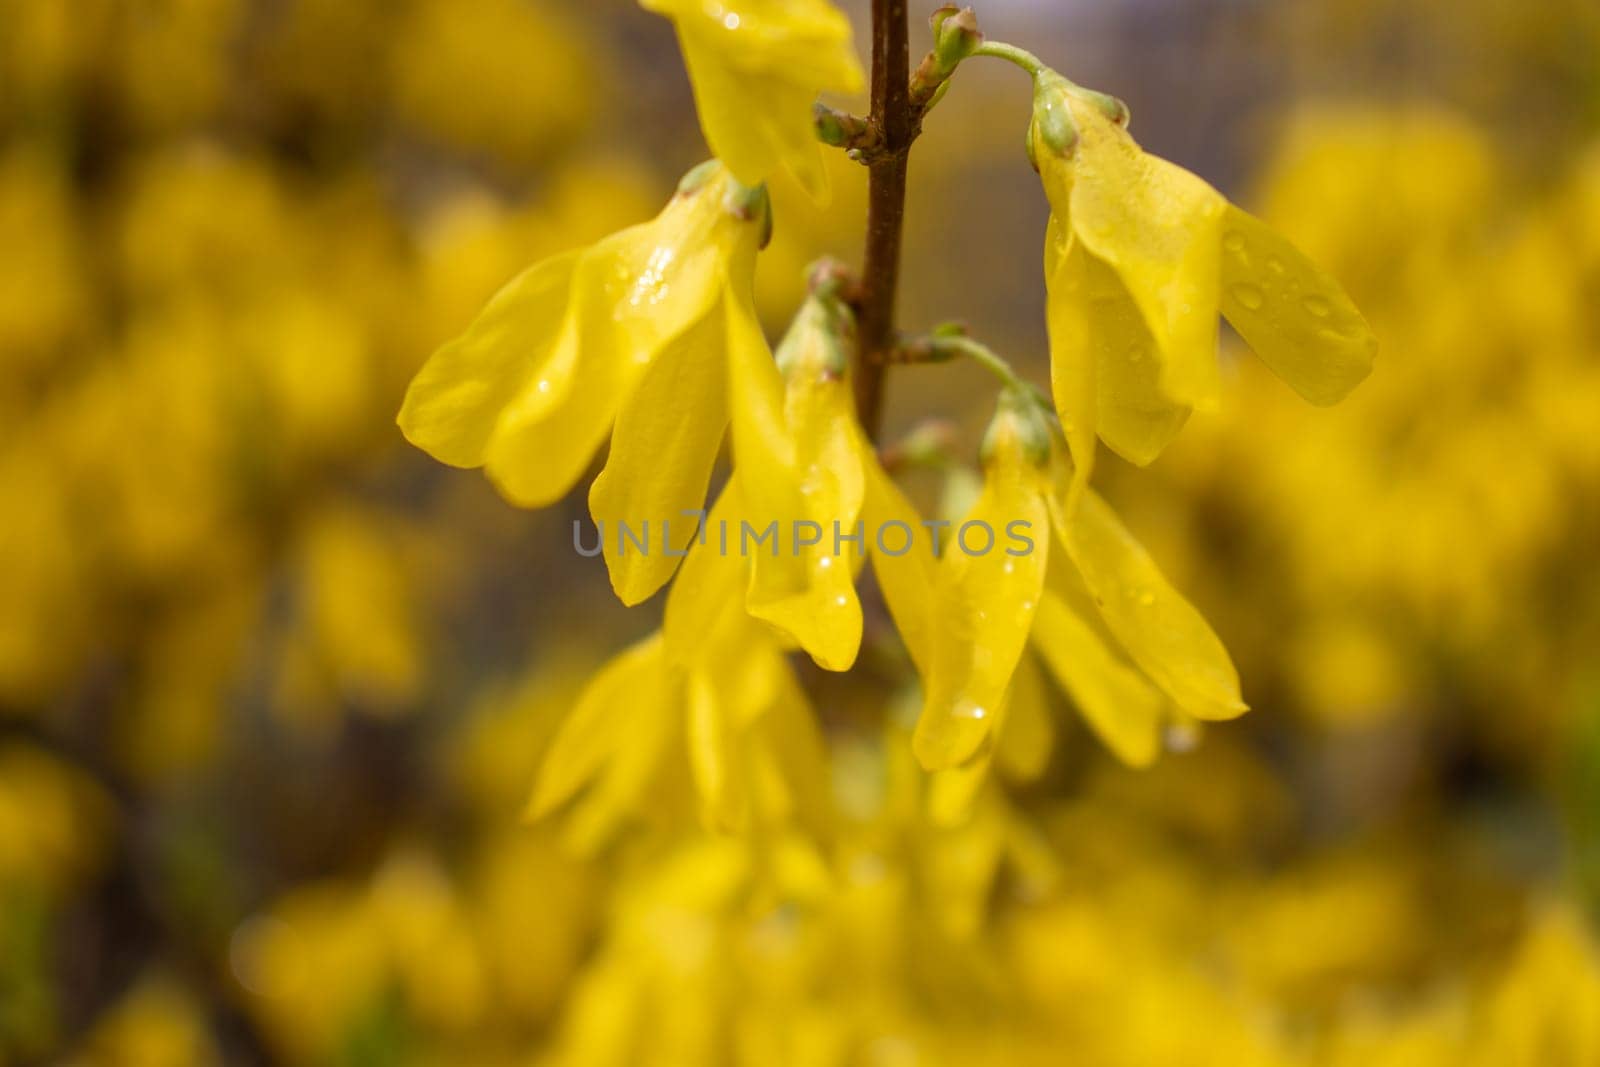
(894, 118)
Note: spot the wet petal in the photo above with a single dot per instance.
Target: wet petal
(1160, 630)
(755, 69)
(796, 459)
(632, 295)
(1117, 702)
(907, 578)
(454, 402)
(1292, 314)
(662, 451)
(1158, 227)
(1104, 365)
(984, 605)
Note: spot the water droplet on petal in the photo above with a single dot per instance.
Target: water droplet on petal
(1317, 306)
(968, 710)
(1248, 295)
(731, 21)
(1275, 265)
(544, 385)
(1233, 241)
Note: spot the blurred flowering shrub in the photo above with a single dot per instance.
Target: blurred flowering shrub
(273, 688)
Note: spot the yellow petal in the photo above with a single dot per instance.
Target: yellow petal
(1070, 312)
(1119, 704)
(711, 582)
(713, 756)
(615, 701)
(1160, 630)
(1293, 315)
(454, 402)
(1104, 365)
(790, 778)
(1027, 737)
(539, 451)
(1024, 739)
(796, 460)
(907, 578)
(756, 67)
(632, 295)
(662, 451)
(984, 605)
(1158, 226)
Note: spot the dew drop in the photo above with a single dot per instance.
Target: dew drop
(841, 600)
(1316, 305)
(1233, 241)
(731, 21)
(968, 710)
(544, 385)
(1275, 265)
(1248, 295)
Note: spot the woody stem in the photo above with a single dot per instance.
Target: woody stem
(893, 117)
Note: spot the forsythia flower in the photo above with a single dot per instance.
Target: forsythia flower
(800, 462)
(1128, 648)
(714, 684)
(756, 67)
(631, 331)
(1140, 256)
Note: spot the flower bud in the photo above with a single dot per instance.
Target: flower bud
(1053, 126)
(1019, 424)
(955, 35)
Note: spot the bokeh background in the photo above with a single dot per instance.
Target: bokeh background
(274, 686)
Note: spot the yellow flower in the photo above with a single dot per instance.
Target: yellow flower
(1133, 654)
(714, 685)
(631, 331)
(1140, 257)
(799, 464)
(756, 67)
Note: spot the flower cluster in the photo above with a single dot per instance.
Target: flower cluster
(650, 337)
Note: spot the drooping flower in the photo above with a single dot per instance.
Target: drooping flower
(800, 467)
(1132, 653)
(628, 337)
(709, 702)
(1140, 257)
(756, 67)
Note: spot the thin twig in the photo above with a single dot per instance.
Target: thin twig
(886, 204)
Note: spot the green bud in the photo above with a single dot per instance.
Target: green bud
(1053, 125)
(820, 340)
(1018, 414)
(839, 128)
(955, 36)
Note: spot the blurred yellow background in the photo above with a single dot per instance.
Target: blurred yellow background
(274, 685)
